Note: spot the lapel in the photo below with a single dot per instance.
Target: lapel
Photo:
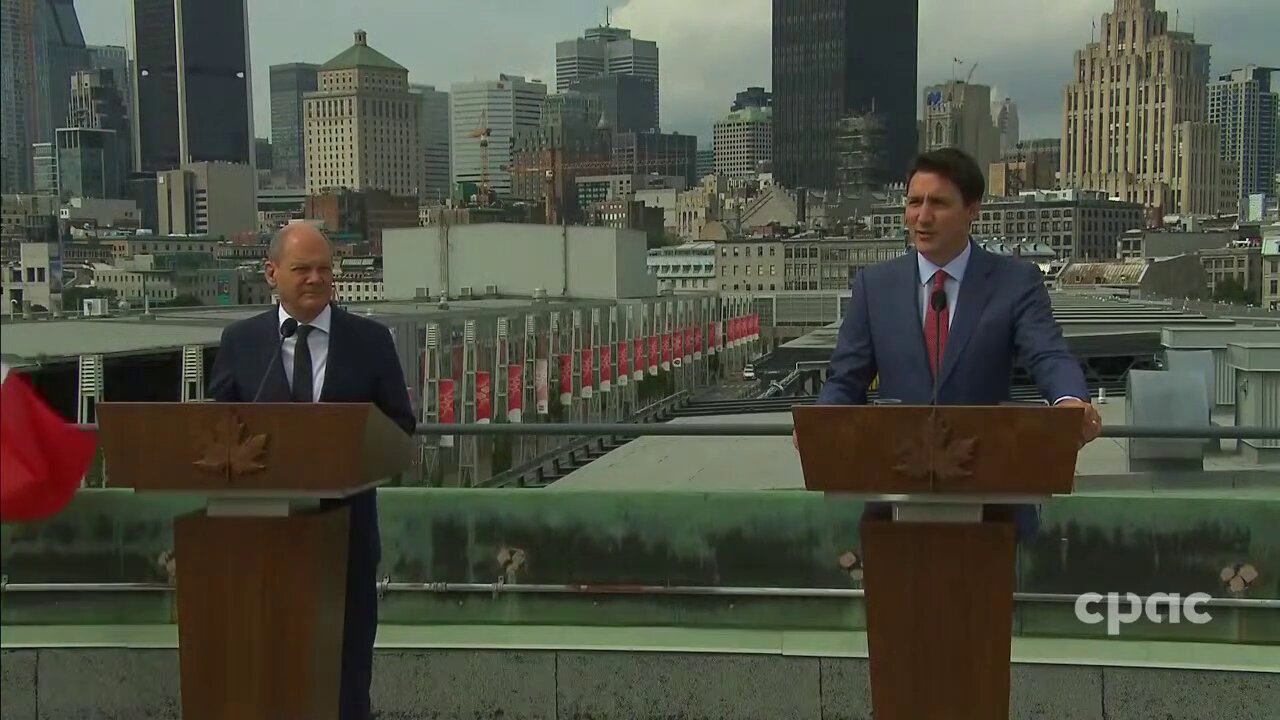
(913, 313)
(975, 292)
(277, 387)
(333, 365)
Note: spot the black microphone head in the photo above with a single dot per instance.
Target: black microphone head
(288, 328)
(938, 300)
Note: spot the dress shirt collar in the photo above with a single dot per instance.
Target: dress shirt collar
(321, 322)
(955, 268)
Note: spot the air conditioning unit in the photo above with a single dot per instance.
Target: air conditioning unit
(95, 307)
(422, 293)
(465, 292)
(490, 290)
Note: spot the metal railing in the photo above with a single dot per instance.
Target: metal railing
(501, 587)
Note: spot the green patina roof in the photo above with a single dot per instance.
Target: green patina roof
(361, 55)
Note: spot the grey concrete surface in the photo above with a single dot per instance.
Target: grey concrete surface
(461, 685)
(18, 685)
(1174, 695)
(639, 686)
(466, 684)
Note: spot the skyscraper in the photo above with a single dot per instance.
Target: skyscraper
(957, 114)
(627, 103)
(17, 89)
(289, 83)
(193, 87)
(362, 125)
(1004, 113)
(607, 50)
(1133, 117)
(433, 140)
(485, 117)
(1243, 106)
(832, 59)
(64, 54)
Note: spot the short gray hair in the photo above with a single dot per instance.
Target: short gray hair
(276, 248)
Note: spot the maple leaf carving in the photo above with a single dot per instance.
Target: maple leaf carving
(934, 453)
(228, 448)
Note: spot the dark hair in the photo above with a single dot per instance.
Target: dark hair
(955, 165)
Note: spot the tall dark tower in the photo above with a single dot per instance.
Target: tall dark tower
(834, 59)
(192, 99)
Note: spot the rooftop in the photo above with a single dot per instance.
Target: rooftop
(360, 55)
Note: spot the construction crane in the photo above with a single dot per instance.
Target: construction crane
(484, 193)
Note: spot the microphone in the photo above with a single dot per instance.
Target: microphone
(287, 329)
(938, 304)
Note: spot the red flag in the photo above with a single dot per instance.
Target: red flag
(515, 392)
(484, 406)
(43, 458)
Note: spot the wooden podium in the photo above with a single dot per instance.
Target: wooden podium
(261, 570)
(939, 565)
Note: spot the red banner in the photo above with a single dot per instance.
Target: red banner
(515, 392)
(566, 379)
(678, 343)
(606, 367)
(588, 378)
(666, 351)
(688, 341)
(484, 395)
(446, 401)
(641, 359)
(655, 355)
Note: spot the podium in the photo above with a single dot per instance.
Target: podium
(939, 555)
(261, 569)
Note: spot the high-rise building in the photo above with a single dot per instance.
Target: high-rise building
(433, 141)
(289, 85)
(97, 104)
(214, 199)
(957, 114)
(193, 99)
(116, 59)
(571, 140)
(656, 154)
(485, 117)
(90, 163)
(64, 54)
(44, 162)
(1004, 113)
(362, 125)
(834, 58)
(1243, 106)
(743, 141)
(752, 97)
(627, 103)
(1137, 92)
(17, 93)
(607, 50)
(860, 166)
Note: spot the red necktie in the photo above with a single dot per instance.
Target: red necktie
(936, 324)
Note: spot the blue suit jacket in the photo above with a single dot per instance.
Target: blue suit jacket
(1002, 315)
(362, 367)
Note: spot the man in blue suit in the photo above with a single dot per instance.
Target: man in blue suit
(996, 309)
(333, 356)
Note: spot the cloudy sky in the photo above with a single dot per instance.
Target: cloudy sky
(709, 49)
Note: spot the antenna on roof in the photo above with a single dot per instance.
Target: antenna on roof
(606, 16)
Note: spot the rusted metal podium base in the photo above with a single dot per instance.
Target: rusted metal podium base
(939, 601)
(260, 614)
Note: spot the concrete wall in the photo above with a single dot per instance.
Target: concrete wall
(601, 262)
(440, 684)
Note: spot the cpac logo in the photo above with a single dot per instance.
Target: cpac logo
(1128, 608)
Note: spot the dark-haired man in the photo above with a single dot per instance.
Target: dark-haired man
(997, 311)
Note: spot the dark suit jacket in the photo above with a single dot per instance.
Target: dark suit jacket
(362, 367)
(1002, 314)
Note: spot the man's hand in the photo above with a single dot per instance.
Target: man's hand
(1092, 420)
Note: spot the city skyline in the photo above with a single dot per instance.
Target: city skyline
(728, 41)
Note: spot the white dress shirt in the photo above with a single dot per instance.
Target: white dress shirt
(317, 341)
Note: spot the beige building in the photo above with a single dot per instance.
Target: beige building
(1133, 120)
(32, 282)
(1241, 263)
(958, 114)
(804, 262)
(362, 125)
(743, 142)
(207, 198)
(1271, 268)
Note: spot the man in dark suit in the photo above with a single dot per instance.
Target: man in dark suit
(333, 356)
(996, 310)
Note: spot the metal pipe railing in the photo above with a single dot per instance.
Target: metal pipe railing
(627, 429)
(499, 588)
